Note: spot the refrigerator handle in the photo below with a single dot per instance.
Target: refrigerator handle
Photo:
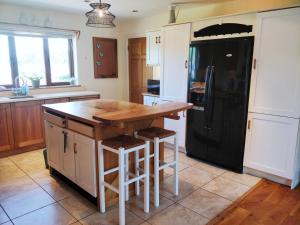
(210, 99)
(207, 78)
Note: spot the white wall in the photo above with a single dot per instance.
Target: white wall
(109, 88)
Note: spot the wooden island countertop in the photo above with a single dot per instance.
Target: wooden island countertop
(85, 123)
(111, 111)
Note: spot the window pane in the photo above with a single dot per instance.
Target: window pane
(5, 75)
(59, 59)
(30, 56)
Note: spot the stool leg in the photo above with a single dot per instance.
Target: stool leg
(176, 159)
(156, 172)
(126, 177)
(121, 187)
(147, 179)
(137, 172)
(101, 178)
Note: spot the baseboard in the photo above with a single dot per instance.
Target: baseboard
(268, 176)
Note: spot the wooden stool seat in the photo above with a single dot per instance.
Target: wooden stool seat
(156, 132)
(123, 141)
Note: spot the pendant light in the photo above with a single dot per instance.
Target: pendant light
(100, 16)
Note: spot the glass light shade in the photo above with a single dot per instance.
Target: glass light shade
(100, 16)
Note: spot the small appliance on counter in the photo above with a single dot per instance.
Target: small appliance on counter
(153, 86)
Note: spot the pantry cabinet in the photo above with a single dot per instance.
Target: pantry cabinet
(153, 48)
(275, 83)
(73, 155)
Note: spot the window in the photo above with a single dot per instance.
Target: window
(49, 58)
(5, 76)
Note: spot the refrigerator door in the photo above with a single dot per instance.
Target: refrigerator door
(199, 70)
(228, 106)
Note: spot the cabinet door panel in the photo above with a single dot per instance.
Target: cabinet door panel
(271, 144)
(56, 100)
(275, 85)
(85, 163)
(28, 124)
(6, 137)
(175, 53)
(68, 155)
(55, 145)
(153, 46)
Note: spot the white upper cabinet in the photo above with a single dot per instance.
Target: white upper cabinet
(271, 144)
(174, 63)
(153, 48)
(275, 79)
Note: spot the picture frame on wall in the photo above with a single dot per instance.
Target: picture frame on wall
(105, 52)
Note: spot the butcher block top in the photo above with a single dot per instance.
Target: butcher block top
(113, 112)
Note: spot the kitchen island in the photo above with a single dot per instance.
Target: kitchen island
(74, 129)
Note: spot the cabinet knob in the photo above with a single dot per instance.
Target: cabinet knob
(186, 64)
(249, 124)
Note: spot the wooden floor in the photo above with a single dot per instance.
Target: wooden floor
(267, 203)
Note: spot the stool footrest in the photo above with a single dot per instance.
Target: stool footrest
(142, 159)
(135, 179)
(111, 170)
(165, 165)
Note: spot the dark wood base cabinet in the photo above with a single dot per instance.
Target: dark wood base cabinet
(22, 125)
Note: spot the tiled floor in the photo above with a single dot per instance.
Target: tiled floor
(29, 195)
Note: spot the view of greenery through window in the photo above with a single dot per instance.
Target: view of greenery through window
(49, 58)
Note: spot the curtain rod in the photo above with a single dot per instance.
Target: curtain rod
(41, 27)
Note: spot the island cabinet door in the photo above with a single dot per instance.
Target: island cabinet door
(55, 145)
(85, 163)
(28, 124)
(68, 155)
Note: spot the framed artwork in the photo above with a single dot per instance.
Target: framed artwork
(105, 57)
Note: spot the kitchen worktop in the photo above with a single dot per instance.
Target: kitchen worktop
(49, 96)
(150, 94)
(112, 111)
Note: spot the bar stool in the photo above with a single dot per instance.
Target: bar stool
(157, 135)
(123, 145)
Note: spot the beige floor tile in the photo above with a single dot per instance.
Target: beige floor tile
(77, 223)
(170, 170)
(245, 179)
(51, 215)
(185, 159)
(226, 188)
(8, 223)
(205, 203)
(15, 185)
(136, 205)
(26, 202)
(185, 189)
(3, 217)
(30, 161)
(111, 217)
(209, 168)
(196, 176)
(178, 215)
(8, 170)
(145, 223)
(168, 152)
(78, 206)
(59, 190)
(42, 177)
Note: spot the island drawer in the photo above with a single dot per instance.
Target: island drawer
(81, 128)
(54, 119)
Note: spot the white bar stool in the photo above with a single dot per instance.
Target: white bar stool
(123, 145)
(157, 135)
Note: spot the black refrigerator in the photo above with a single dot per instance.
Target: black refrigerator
(219, 81)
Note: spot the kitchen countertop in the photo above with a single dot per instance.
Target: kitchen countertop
(114, 112)
(49, 96)
(150, 94)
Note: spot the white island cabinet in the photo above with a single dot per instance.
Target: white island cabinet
(272, 140)
(73, 155)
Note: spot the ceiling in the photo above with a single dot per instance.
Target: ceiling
(121, 8)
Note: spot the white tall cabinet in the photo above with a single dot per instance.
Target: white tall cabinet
(272, 140)
(174, 72)
(153, 48)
